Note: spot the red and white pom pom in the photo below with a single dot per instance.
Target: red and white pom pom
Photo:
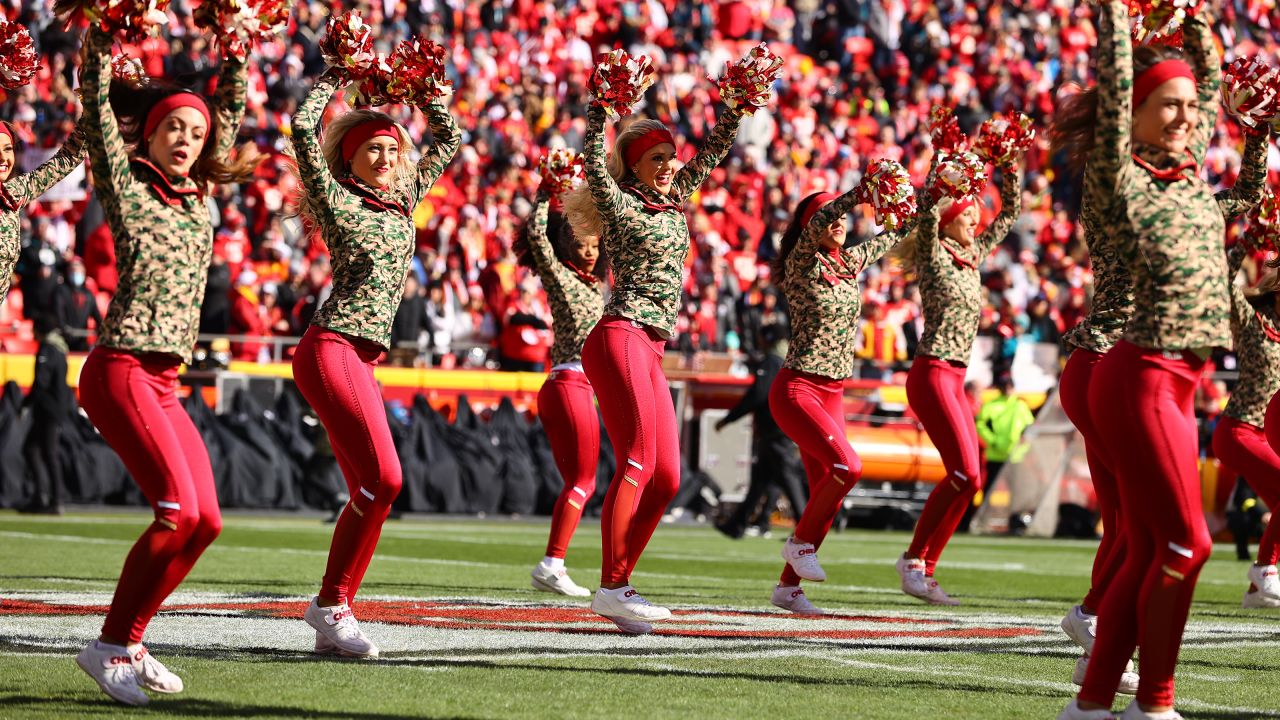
(128, 70)
(748, 83)
(1001, 141)
(369, 84)
(238, 25)
(886, 187)
(945, 132)
(1263, 231)
(959, 175)
(417, 73)
(1160, 21)
(619, 80)
(561, 170)
(127, 20)
(348, 45)
(1251, 91)
(18, 58)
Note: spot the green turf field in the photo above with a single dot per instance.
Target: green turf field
(463, 635)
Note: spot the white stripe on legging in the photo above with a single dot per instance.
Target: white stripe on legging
(366, 493)
(168, 505)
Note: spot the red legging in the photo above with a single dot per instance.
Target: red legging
(334, 372)
(623, 360)
(1073, 391)
(1142, 403)
(935, 390)
(568, 411)
(1271, 424)
(810, 410)
(131, 400)
(1244, 448)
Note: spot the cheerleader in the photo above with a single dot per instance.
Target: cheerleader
(156, 150)
(19, 191)
(947, 252)
(819, 277)
(360, 187)
(1239, 440)
(639, 192)
(568, 261)
(1155, 113)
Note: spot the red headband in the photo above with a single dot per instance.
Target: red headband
(366, 131)
(646, 142)
(954, 212)
(162, 109)
(1157, 75)
(4, 130)
(818, 202)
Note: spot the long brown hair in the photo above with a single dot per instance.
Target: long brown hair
(794, 230)
(131, 104)
(561, 234)
(1076, 117)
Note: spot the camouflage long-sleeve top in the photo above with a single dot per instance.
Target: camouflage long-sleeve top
(1165, 222)
(160, 225)
(20, 190)
(577, 299)
(823, 294)
(647, 234)
(370, 234)
(1112, 291)
(950, 279)
(1257, 346)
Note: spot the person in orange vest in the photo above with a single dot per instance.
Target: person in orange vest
(880, 343)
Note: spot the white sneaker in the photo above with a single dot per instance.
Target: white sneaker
(627, 604)
(1128, 679)
(1073, 712)
(110, 666)
(556, 581)
(935, 595)
(1135, 712)
(912, 574)
(324, 646)
(1081, 628)
(1256, 600)
(1267, 579)
(803, 559)
(339, 625)
(791, 597)
(153, 675)
(631, 627)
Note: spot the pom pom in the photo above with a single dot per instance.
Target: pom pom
(561, 171)
(18, 58)
(348, 45)
(238, 24)
(747, 84)
(619, 80)
(1001, 141)
(128, 70)
(1251, 91)
(127, 20)
(959, 175)
(417, 73)
(1263, 231)
(886, 187)
(945, 131)
(370, 82)
(1160, 21)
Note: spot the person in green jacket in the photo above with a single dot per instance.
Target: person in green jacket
(1001, 423)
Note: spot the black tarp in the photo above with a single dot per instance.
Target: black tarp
(14, 426)
(478, 460)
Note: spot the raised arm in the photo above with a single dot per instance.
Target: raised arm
(1112, 143)
(1202, 51)
(604, 189)
(1241, 310)
(446, 138)
(1010, 209)
(544, 256)
(691, 176)
(29, 186)
(317, 181)
(103, 141)
(229, 102)
(1252, 181)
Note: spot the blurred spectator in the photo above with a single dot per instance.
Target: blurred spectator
(882, 344)
(50, 402)
(76, 306)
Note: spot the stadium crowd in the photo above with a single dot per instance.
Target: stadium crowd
(861, 76)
